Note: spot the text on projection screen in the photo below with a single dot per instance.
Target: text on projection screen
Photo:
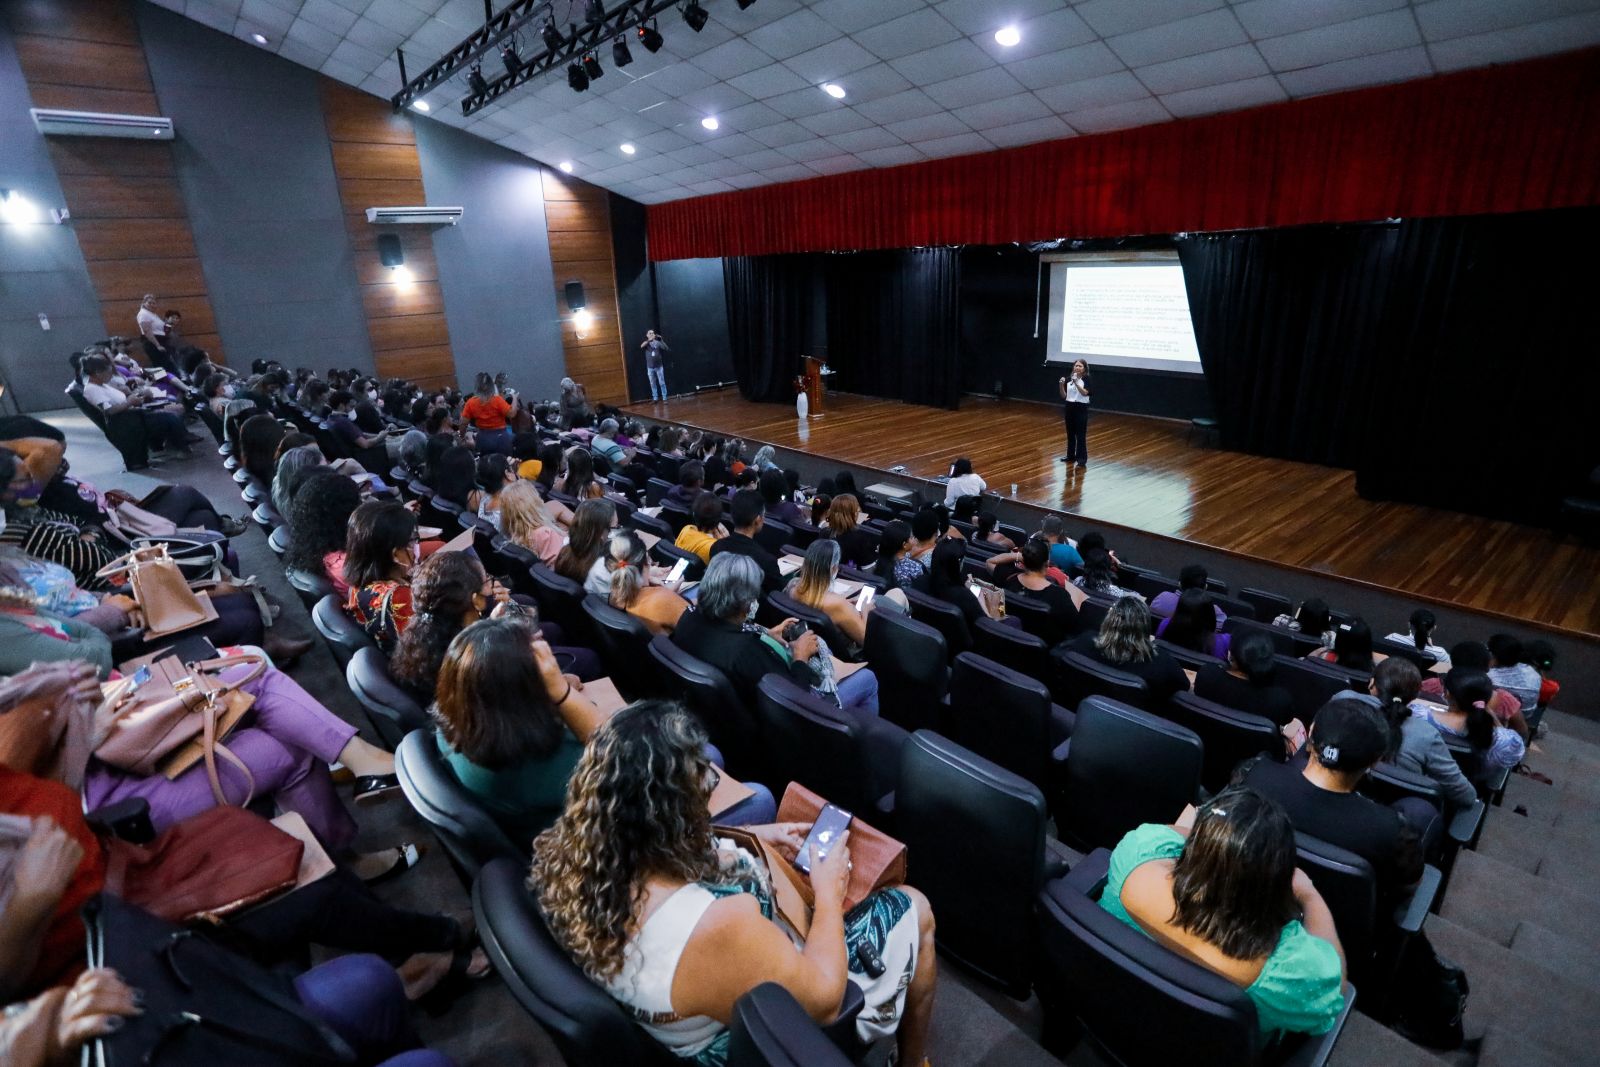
(1128, 314)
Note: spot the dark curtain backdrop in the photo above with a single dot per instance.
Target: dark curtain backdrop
(771, 316)
(894, 324)
(1452, 362)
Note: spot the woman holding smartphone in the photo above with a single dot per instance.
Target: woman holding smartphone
(1075, 409)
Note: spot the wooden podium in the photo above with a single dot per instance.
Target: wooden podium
(811, 379)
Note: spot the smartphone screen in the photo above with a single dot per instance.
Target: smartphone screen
(831, 822)
(867, 593)
(677, 570)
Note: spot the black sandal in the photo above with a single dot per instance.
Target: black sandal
(410, 854)
(374, 787)
(455, 982)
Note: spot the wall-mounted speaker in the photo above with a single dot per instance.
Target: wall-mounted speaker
(389, 250)
(575, 299)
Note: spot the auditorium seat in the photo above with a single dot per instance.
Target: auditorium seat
(1092, 612)
(676, 518)
(803, 533)
(707, 692)
(1387, 783)
(1309, 686)
(1188, 658)
(392, 711)
(655, 490)
(780, 606)
(1033, 613)
(1008, 718)
(1125, 767)
(773, 535)
(848, 573)
(1082, 677)
(975, 845)
(1228, 736)
(1268, 605)
(344, 635)
(852, 760)
(668, 554)
(309, 587)
(1140, 1002)
(278, 540)
(470, 835)
(1385, 647)
(560, 600)
(908, 658)
(624, 645)
(942, 616)
(1285, 641)
(771, 1029)
(648, 524)
(1014, 647)
(588, 1027)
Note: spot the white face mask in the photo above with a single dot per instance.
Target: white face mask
(750, 616)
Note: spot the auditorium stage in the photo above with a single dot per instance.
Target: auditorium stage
(1145, 473)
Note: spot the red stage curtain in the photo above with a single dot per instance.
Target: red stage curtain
(1514, 138)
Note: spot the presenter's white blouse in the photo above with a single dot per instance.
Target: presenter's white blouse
(1074, 394)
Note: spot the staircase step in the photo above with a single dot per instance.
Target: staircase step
(1506, 837)
(1510, 1047)
(1579, 964)
(1511, 993)
(1365, 1041)
(1491, 898)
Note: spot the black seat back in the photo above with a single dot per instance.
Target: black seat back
(393, 711)
(560, 600)
(773, 535)
(1188, 658)
(1033, 612)
(909, 660)
(959, 813)
(1311, 685)
(1125, 767)
(344, 635)
(1013, 647)
(1000, 715)
(1384, 646)
(707, 692)
(808, 740)
(309, 587)
(1229, 736)
(1284, 640)
(771, 1029)
(1268, 605)
(780, 606)
(649, 524)
(942, 616)
(803, 533)
(624, 646)
(1350, 889)
(668, 554)
(470, 835)
(1092, 612)
(1084, 676)
(589, 1027)
(656, 490)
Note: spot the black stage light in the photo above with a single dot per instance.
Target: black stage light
(695, 16)
(577, 78)
(650, 37)
(551, 35)
(591, 66)
(508, 56)
(595, 10)
(475, 80)
(620, 56)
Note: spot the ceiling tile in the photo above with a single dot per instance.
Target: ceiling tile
(808, 150)
(1354, 73)
(731, 59)
(767, 82)
(678, 80)
(343, 72)
(781, 133)
(928, 127)
(694, 155)
(835, 164)
(830, 62)
(1118, 116)
(1049, 129)
(1072, 64)
(434, 38)
(1209, 68)
(1541, 38)
(328, 15)
(964, 144)
(722, 168)
(916, 32)
(746, 181)
(1040, 36)
(1444, 19)
(852, 16)
(748, 117)
(365, 59)
(1006, 111)
(742, 22)
(910, 104)
(707, 188)
(977, 88)
(464, 15)
(313, 37)
(802, 102)
(210, 15)
(635, 95)
(728, 145)
(858, 141)
(631, 128)
(291, 6)
(1111, 17)
(792, 34)
(1093, 92)
(272, 21)
(397, 15)
(942, 63)
(892, 156)
(1252, 92)
(764, 160)
(841, 120)
(790, 173)
(714, 100)
(986, 16)
(1345, 40)
(1170, 40)
(1273, 18)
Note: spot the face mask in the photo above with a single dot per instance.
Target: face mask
(750, 616)
(228, 391)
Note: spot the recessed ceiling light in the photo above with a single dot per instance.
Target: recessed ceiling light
(258, 38)
(422, 106)
(835, 91)
(710, 122)
(628, 149)
(1008, 36)
(566, 166)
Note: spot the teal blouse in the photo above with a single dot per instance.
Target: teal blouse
(1299, 989)
(525, 799)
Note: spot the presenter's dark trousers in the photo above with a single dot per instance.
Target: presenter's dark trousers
(1077, 416)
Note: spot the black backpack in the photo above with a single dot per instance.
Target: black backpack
(1432, 997)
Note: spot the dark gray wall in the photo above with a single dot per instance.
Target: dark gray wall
(256, 169)
(41, 267)
(694, 320)
(494, 265)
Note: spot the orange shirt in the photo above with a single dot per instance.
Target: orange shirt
(486, 414)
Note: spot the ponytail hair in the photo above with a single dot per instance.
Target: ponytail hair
(1398, 681)
(1470, 692)
(626, 559)
(1422, 624)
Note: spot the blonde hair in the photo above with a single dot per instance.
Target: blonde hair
(522, 512)
(816, 573)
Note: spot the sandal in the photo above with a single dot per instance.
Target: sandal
(375, 787)
(407, 856)
(456, 981)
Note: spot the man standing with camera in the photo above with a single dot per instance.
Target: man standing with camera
(654, 351)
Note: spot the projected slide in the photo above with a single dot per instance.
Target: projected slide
(1121, 312)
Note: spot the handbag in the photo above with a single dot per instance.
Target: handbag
(179, 713)
(198, 553)
(166, 603)
(206, 867)
(877, 860)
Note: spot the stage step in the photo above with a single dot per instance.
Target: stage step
(1490, 898)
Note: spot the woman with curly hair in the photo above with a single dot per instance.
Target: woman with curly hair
(319, 522)
(677, 925)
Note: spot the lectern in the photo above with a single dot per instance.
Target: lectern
(812, 379)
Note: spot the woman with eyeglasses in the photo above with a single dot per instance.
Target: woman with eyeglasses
(381, 551)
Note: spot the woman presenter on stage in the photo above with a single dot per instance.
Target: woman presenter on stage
(1075, 409)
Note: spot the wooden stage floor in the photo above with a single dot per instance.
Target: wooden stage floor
(1144, 473)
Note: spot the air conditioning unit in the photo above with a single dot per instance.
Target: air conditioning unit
(414, 216)
(54, 123)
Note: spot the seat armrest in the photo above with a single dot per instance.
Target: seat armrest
(127, 820)
(842, 1031)
(1465, 823)
(1409, 915)
(1496, 784)
(1058, 860)
(1089, 875)
(1314, 1050)
(885, 805)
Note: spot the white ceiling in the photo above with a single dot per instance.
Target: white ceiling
(924, 78)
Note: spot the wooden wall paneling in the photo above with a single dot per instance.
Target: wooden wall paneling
(376, 164)
(126, 204)
(578, 220)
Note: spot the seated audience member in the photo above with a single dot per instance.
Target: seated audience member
(719, 631)
(525, 449)
(575, 409)
(259, 437)
(812, 587)
(39, 447)
(1248, 683)
(733, 456)
(1414, 744)
(1474, 656)
(924, 535)
(605, 445)
(449, 592)
(495, 473)
(457, 475)
(632, 589)
(1099, 577)
(1034, 581)
(1542, 656)
(592, 524)
(1124, 643)
(577, 479)
(1193, 576)
(857, 547)
(748, 516)
(895, 565)
(766, 459)
(489, 415)
(381, 551)
(1223, 891)
(295, 465)
(633, 885)
(1509, 671)
(1347, 738)
(216, 391)
(1064, 555)
(1420, 636)
(845, 482)
(1311, 618)
(963, 482)
(103, 388)
(946, 582)
(319, 526)
(342, 424)
(1467, 717)
(1193, 625)
(1351, 648)
(774, 487)
(691, 481)
(704, 528)
(710, 457)
(31, 634)
(525, 520)
(986, 522)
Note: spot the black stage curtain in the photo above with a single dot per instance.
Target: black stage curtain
(1450, 361)
(894, 324)
(771, 311)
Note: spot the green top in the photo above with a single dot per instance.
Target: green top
(525, 799)
(1300, 987)
(43, 636)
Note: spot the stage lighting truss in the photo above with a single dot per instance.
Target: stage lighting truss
(575, 45)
